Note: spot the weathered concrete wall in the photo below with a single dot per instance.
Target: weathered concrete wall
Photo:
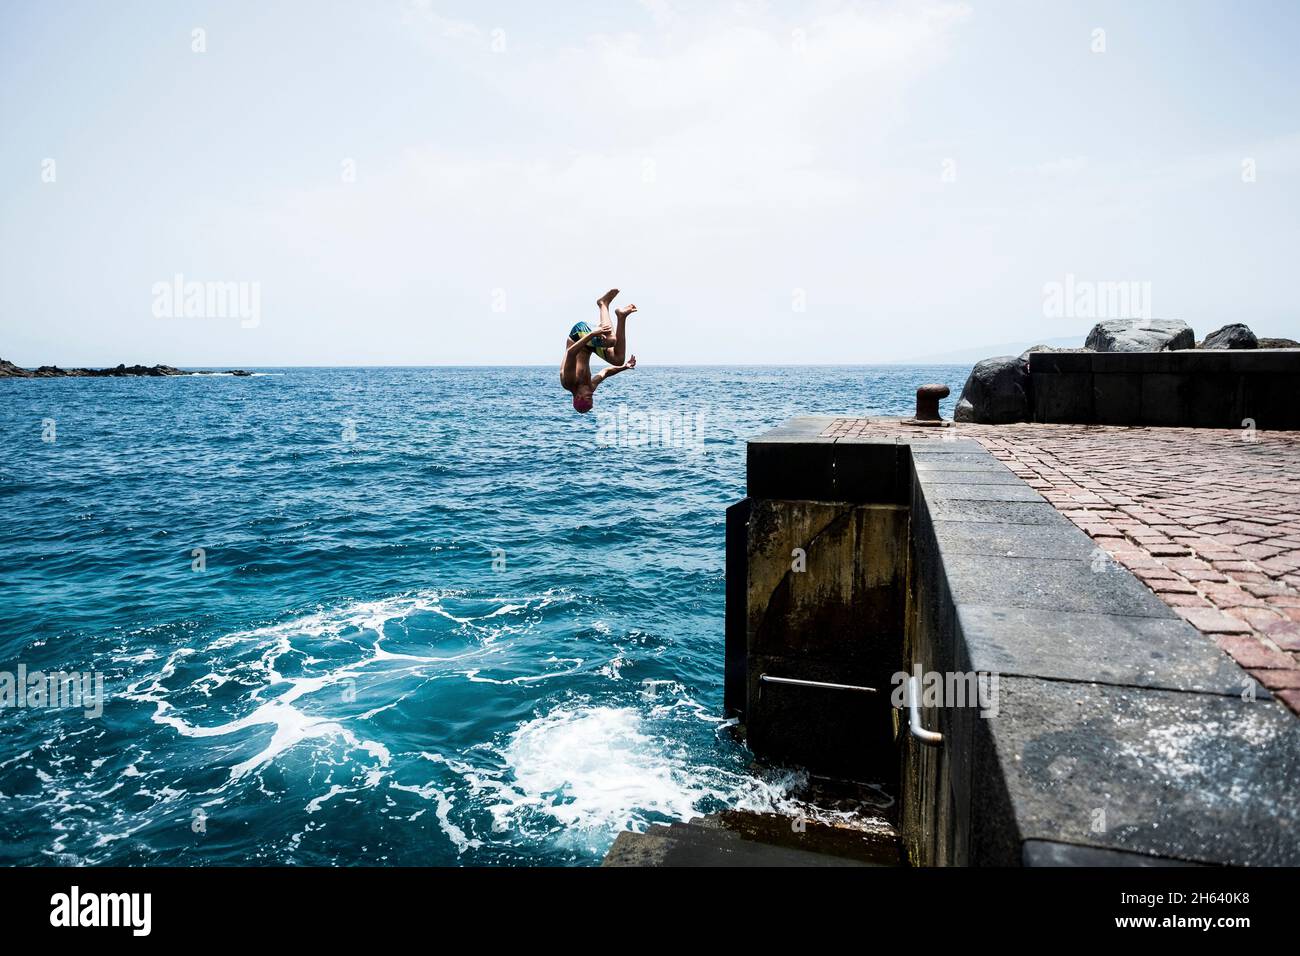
(1119, 732)
(1200, 388)
(825, 602)
(736, 649)
(821, 548)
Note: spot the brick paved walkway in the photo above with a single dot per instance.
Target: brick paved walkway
(1209, 520)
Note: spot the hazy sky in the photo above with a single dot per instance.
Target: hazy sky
(454, 183)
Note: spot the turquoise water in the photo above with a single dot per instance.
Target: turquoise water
(438, 618)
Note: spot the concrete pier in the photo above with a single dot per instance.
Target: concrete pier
(1118, 729)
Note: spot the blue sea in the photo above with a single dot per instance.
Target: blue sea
(380, 616)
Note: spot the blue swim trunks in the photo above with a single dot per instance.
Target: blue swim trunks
(597, 342)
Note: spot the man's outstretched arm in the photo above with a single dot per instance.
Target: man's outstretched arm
(612, 370)
(582, 342)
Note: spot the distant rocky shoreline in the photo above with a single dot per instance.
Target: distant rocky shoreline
(10, 370)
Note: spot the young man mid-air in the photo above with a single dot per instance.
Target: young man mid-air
(606, 341)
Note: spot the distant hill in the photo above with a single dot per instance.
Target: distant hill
(973, 355)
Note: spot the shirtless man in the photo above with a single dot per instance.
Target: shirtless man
(606, 341)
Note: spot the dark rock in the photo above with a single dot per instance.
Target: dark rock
(742, 838)
(1141, 335)
(10, 370)
(1234, 336)
(996, 392)
(1279, 344)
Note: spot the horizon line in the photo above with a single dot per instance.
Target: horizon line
(233, 367)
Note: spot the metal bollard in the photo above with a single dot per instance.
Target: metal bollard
(927, 405)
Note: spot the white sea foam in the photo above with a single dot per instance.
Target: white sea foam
(475, 677)
(597, 769)
(290, 723)
(443, 801)
(571, 777)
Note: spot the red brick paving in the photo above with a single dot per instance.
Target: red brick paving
(1209, 521)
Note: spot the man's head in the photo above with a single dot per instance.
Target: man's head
(582, 401)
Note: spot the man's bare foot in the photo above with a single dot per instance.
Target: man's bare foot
(624, 312)
(631, 363)
(607, 298)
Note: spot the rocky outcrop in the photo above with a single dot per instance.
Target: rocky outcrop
(996, 392)
(1000, 390)
(1051, 348)
(10, 370)
(1141, 335)
(1234, 336)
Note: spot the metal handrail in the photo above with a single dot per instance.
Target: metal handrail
(769, 679)
(931, 738)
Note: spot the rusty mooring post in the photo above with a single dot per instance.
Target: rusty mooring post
(927, 405)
